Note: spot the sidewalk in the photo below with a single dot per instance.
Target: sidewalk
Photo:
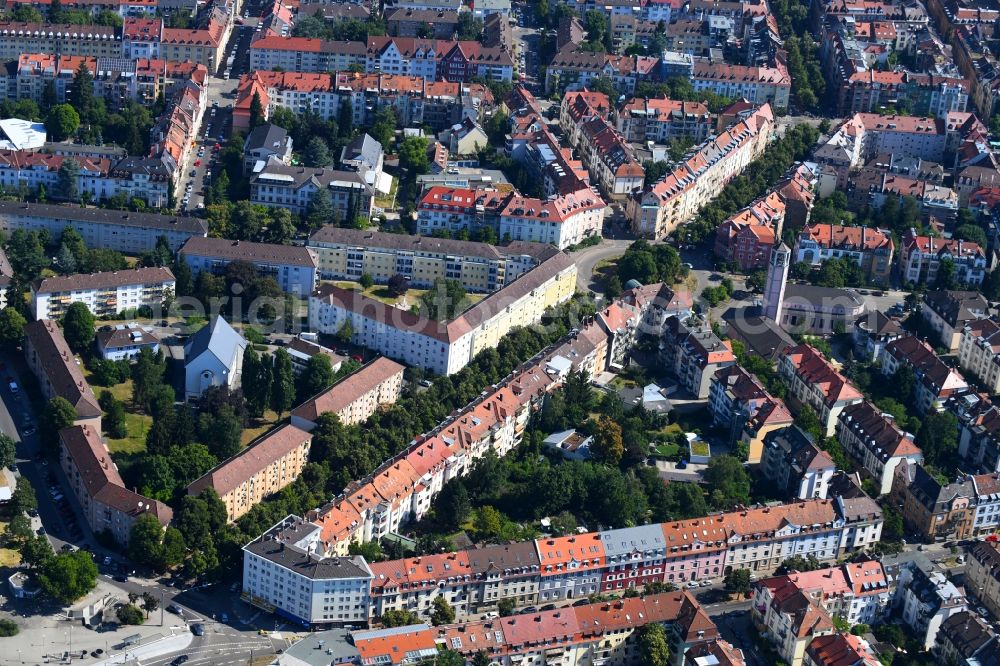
(162, 646)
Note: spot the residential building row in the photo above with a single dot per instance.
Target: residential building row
(561, 220)
(139, 37)
(813, 381)
(148, 179)
(676, 198)
(920, 258)
(354, 398)
(747, 238)
(347, 254)
(415, 100)
(549, 569)
(117, 80)
(935, 383)
(613, 166)
(105, 294)
(693, 353)
(871, 249)
(108, 506)
(262, 468)
(430, 59)
(54, 365)
(938, 510)
(448, 346)
(293, 267)
(122, 231)
(280, 185)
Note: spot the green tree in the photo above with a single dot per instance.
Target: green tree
(608, 445)
(19, 529)
(441, 611)
(66, 180)
(413, 156)
(256, 382)
(256, 111)
(809, 423)
(221, 432)
(444, 300)
(78, 327)
(317, 376)
(938, 439)
(506, 607)
(62, 122)
(145, 541)
(320, 210)
(8, 451)
(317, 153)
(114, 417)
(12, 325)
(8, 628)
(149, 603)
(399, 618)
(738, 581)
(727, 481)
(68, 576)
(283, 383)
(366, 281)
(653, 647)
(129, 614)
(58, 414)
(469, 27)
(36, 552)
(971, 232)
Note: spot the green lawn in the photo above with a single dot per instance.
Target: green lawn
(664, 450)
(138, 425)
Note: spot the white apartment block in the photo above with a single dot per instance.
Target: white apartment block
(921, 256)
(979, 353)
(104, 294)
(285, 569)
(293, 187)
(444, 347)
(873, 441)
(123, 231)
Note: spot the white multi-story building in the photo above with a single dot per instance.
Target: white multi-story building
(123, 231)
(936, 381)
(813, 381)
(694, 354)
(979, 353)
(293, 187)
(561, 221)
(872, 440)
(285, 569)
(293, 267)
(444, 347)
(103, 293)
(759, 85)
(920, 257)
(663, 120)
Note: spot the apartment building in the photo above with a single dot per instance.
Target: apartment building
(677, 197)
(966, 638)
(925, 599)
(747, 237)
(858, 592)
(870, 249)
(293, 187)
(107, 505)
(834, 649)
(444, 347)
(812, 381)
(872, 332)
(570, 567)
(739, 402)
(123, 231)
(203, 45)
(52, 362)
(356, 397)
(795, 465)
(281, 570)
(947, 313)
(758, 85)
(979, 353)
(406, 22)
(936, 381)
(612, 163)
(262, 468)
(663, 120)
(104, 294)
(95, 41)
(982, 573)
(305, 54)
(347, 254)
(874, 442)
(933, 509)
(571, 69)
(125, 341)
(562, 220)
(694, 354)
(921, 256)
(293, 267)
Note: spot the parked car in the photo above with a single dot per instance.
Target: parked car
(198, 629)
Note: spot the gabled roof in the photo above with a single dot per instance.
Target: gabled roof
(58, 363)
(219, 339)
